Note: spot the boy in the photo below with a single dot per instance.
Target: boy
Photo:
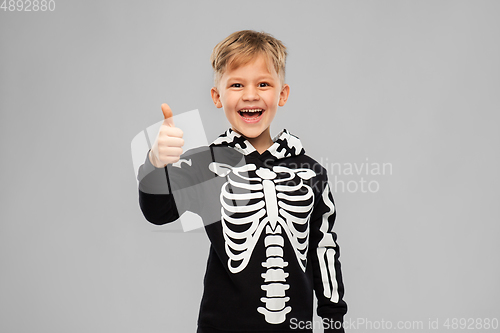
(267, 207)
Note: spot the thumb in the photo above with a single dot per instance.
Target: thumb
(167, 114)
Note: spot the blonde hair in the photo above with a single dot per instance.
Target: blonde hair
(241, 47)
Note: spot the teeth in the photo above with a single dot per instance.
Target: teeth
(251, 110)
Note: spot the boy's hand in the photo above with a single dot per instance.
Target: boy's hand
(167, 147)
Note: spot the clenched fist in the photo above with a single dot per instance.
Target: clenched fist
(167, 147)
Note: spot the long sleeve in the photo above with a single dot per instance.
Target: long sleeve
(325, 253)
(166, 193)
(155, 197)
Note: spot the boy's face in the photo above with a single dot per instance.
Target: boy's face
(250, 87)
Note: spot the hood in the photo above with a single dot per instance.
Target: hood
(285, 145)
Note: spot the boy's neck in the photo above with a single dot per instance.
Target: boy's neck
(262, 142)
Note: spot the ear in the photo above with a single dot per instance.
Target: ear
(285, 91)
(216, 97)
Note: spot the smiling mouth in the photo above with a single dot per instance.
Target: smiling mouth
(251, 113)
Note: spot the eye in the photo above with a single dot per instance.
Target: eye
(236, 85)
(263, 84)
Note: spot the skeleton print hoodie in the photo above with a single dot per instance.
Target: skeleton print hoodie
(269, 218)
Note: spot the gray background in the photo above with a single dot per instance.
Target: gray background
(411, 83)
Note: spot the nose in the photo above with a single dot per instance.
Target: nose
(250, 94)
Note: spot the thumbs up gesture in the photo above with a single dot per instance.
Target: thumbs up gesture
(167, 147)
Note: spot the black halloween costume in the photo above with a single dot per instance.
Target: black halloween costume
(269, 218)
